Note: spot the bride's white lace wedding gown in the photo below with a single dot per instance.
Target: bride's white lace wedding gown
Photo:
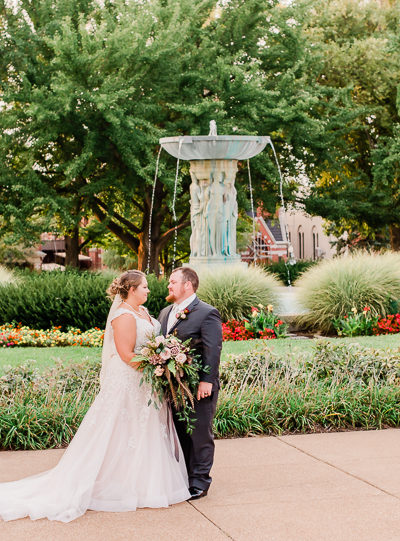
(125, 454)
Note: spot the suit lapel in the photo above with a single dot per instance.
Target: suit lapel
(190, 307)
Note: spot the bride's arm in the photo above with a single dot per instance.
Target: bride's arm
(124, 327)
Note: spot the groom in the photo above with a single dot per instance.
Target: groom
(191, 318)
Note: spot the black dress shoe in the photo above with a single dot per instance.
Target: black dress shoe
(197, 493)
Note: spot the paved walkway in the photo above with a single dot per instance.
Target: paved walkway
(320, 487)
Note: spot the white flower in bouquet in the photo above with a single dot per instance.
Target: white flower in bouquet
(165, 354)
(159, 371)
(159, 340)
(180, 358)
(145, 352)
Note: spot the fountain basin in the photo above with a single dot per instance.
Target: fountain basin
(214, 147)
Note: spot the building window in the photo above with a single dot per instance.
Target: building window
(301, 242)
(261, 246)
(315, 241)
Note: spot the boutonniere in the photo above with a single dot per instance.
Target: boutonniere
(182, 314)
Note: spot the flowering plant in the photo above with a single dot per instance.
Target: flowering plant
(21, 336)
(235, 330)
(356, 323)
(172, 370)
(387, 325)
(182, 314)
(263, 323)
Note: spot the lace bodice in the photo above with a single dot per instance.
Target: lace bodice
(144, 329)
(114, 371)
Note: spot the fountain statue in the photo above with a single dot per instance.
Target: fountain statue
(214, 210)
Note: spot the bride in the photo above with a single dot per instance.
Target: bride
(125, 453)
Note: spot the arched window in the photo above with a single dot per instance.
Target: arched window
(315, 243)
(300, 235)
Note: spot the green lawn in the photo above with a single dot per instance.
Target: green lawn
(45, 357)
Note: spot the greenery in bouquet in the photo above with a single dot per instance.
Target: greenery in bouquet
(172, 370)
(356, 323)
(263, 323)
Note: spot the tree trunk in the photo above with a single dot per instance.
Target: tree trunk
(395, 237)
(72, 248)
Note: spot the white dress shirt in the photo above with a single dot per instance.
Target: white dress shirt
(178, 308)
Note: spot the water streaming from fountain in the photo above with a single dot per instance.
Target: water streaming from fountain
(152, 207)
(252, 211)
(285, 227)
(174, 203)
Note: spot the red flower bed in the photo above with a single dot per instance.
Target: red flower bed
(388, 325)
(236, 330)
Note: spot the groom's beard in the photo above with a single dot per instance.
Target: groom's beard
(170, 298)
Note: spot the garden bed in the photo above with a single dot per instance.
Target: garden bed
(278, 387)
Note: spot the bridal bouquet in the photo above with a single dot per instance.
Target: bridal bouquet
(169, 366)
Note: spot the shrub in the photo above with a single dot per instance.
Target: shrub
(356, 323)
(158, 291)
(263, 323)
(234, 290)
(334, 287)
(66, 299)
(336, 386)
(288, 271)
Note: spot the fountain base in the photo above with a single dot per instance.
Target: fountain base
(209, 262)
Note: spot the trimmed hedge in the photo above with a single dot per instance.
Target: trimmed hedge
(67, 299)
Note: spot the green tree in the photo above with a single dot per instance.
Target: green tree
(359, 50)
(89, 87)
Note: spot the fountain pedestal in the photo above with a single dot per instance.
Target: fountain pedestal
(214, 211)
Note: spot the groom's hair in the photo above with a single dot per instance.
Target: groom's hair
(189, 275)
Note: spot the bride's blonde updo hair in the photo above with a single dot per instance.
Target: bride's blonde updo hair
(122, 284)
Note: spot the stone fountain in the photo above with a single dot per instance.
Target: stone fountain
(214, 211)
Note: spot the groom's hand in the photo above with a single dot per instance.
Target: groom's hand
(204, 390)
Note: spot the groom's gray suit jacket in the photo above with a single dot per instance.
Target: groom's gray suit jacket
(203, 326)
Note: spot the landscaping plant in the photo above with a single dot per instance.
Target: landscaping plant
(235, 291)
(356, 323)
(331, 289)
(334, 386)
(66, 299)
(263, 323)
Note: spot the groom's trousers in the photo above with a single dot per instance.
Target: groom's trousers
(198, 447)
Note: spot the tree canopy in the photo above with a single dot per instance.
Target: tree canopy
(89, 87)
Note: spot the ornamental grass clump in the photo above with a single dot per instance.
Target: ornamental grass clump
(334, 288)
(235, 290)
(6, 276)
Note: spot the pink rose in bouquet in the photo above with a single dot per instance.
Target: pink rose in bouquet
(172, 370)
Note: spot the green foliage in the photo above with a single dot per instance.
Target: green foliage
(358, 54)
(67, 299)
(334, 287)
(263, 320)
(41, 411)
(356, 323)
(346, 363)
(286, 271)
(90, 87)
(47, 299)
(234, 290)
(158, 291)
(120, 262)
(333, 386)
